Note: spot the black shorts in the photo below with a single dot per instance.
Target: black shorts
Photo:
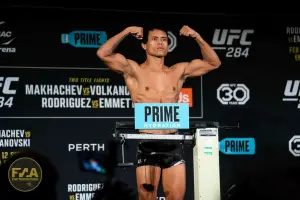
(163, 154)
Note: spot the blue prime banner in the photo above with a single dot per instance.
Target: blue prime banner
(161, 116)
(238, 146)
(84, 39)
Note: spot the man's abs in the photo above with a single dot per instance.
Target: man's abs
(149, 87)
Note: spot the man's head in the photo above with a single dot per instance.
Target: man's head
(155, 42)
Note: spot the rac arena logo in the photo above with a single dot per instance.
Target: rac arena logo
(7, 38)
(25, 174)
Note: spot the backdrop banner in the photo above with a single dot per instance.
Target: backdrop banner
(59, 98)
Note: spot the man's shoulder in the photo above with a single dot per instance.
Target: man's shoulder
(133, 63)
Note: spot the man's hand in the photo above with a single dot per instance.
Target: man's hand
(136, 32)
(199, 67)
(187, 31)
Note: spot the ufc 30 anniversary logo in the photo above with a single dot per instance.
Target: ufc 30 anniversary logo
(236, 42)
(7, 91)
(233, 94)
(25, 174)
(294, 145)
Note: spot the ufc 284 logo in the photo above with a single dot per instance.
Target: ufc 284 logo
(235, 42)
(292, 91)
(7, 91)
(294, 145)
(233, 94)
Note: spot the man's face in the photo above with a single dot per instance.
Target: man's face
(157, 44)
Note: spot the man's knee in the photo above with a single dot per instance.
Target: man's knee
(174, 182)
(174, 195)
(146, 195)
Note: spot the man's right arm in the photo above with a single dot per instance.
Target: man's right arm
(116, 61)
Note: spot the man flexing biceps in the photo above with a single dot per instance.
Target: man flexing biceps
(154, 82)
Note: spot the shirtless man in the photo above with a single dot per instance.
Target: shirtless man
(153, 82)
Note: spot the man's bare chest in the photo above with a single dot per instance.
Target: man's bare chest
(157, 78)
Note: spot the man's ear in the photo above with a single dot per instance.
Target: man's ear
(143, 46)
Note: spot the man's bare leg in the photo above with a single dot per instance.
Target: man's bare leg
(147, 175)
(174, 182)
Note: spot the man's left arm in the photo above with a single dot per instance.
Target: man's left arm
(199, 67)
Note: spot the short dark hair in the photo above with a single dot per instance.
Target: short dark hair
(148, 28)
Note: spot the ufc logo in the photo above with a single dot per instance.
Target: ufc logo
(292, 91)
(228, 36)
(292, 88)
(5, 83)
(294, 145)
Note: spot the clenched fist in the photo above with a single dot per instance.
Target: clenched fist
(136, 32)
(187, 31)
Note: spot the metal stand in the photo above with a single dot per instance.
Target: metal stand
(206, 164)
(121, 139)
(205, 139)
